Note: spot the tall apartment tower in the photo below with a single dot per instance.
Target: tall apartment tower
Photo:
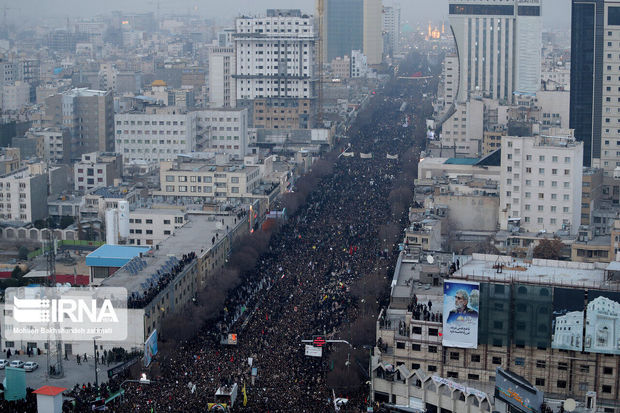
(275, 68)
(391, 26)
(89, 116)
(373, 39)
(222, 83)
(344, 28)
(499, 46)
(595, 81)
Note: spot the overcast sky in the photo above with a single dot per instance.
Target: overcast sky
(556, 13)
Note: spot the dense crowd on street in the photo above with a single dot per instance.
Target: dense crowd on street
(300, 287)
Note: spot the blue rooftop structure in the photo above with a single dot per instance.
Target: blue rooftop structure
(461, 161)
(114, 255)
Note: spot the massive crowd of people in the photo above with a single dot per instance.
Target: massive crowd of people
(300, 287)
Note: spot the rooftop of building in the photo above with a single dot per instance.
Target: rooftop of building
(85, 92)
(502, 268)
(109, 255)
(194, 236)
(18, 174)
(158, 211)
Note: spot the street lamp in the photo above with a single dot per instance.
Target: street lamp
(95, 356)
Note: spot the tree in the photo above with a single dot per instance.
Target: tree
(549, 249)
(65, 221)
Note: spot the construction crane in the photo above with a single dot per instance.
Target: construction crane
(320, 11)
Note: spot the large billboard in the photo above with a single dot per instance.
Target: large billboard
(461, 301)
(567, 324)
(150, 348)
(602, 322)
(517, 392)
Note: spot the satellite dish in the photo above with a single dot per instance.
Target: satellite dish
(570, 405)
(430, 259)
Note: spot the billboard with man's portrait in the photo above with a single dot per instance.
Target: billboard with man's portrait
(461, 303)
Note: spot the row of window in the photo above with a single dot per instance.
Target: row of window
(154, 123)
(207, 189)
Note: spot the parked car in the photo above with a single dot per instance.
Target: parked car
(31, 366)
(17, 364)
(3, 363)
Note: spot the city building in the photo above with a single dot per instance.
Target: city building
(391, 27)
(15, 96)
(341, 67)
(9, 160)
(89, 116)
(520, 314)
(275, 75)
(226, 130)
(217, 180)
(56, 142)
(158, 133)
(30, 146)
(359, 64)
(343, 22)
(150, 226)
(541, 183)
(498, 44)
(593, 88)
(222, 83)
(372, 37)
(23, 196)
(97, 169)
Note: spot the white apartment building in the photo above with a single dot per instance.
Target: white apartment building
(359, 64)
(159, 134)
(540, 183)
(15, 95)
(498, 45)
(464, 130)
(391, 26)
(23, 196)
(372, 38)
(96, 170)
(207, 180)
(226, 130)
(275, 55)
(222, 83)
(150, 226)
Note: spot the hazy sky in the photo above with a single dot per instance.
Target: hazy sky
(556, 13)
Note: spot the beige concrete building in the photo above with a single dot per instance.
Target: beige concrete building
(372, 37)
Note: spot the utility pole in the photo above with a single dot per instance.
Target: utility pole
(58, 371)
(95, 356)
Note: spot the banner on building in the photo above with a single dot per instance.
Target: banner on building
(567, 322)
(461, 301)
(602, 322)
(150, 348)
(517, 392)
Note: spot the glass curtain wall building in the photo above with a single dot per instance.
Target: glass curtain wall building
(345, 25)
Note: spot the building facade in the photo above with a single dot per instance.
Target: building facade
(161, 134)
(498, 46)
(541, 183)
(373, 39)
(96, 170)
(23, 196)
(89, 116)
(275, 59)
(226, 130)
(222, 83)
(391, 26)
(150, 226)
(344, 28)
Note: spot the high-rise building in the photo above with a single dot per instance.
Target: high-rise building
(541, 182)
(88, 114)
(222, 83)
(498, 45)
(391, 27)
(594, 89)
(275, 59)
(344, 27)
(373, 39)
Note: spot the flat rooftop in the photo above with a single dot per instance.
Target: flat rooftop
(194, 236)
(114, 255)
(484, 267)
(158, 211)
